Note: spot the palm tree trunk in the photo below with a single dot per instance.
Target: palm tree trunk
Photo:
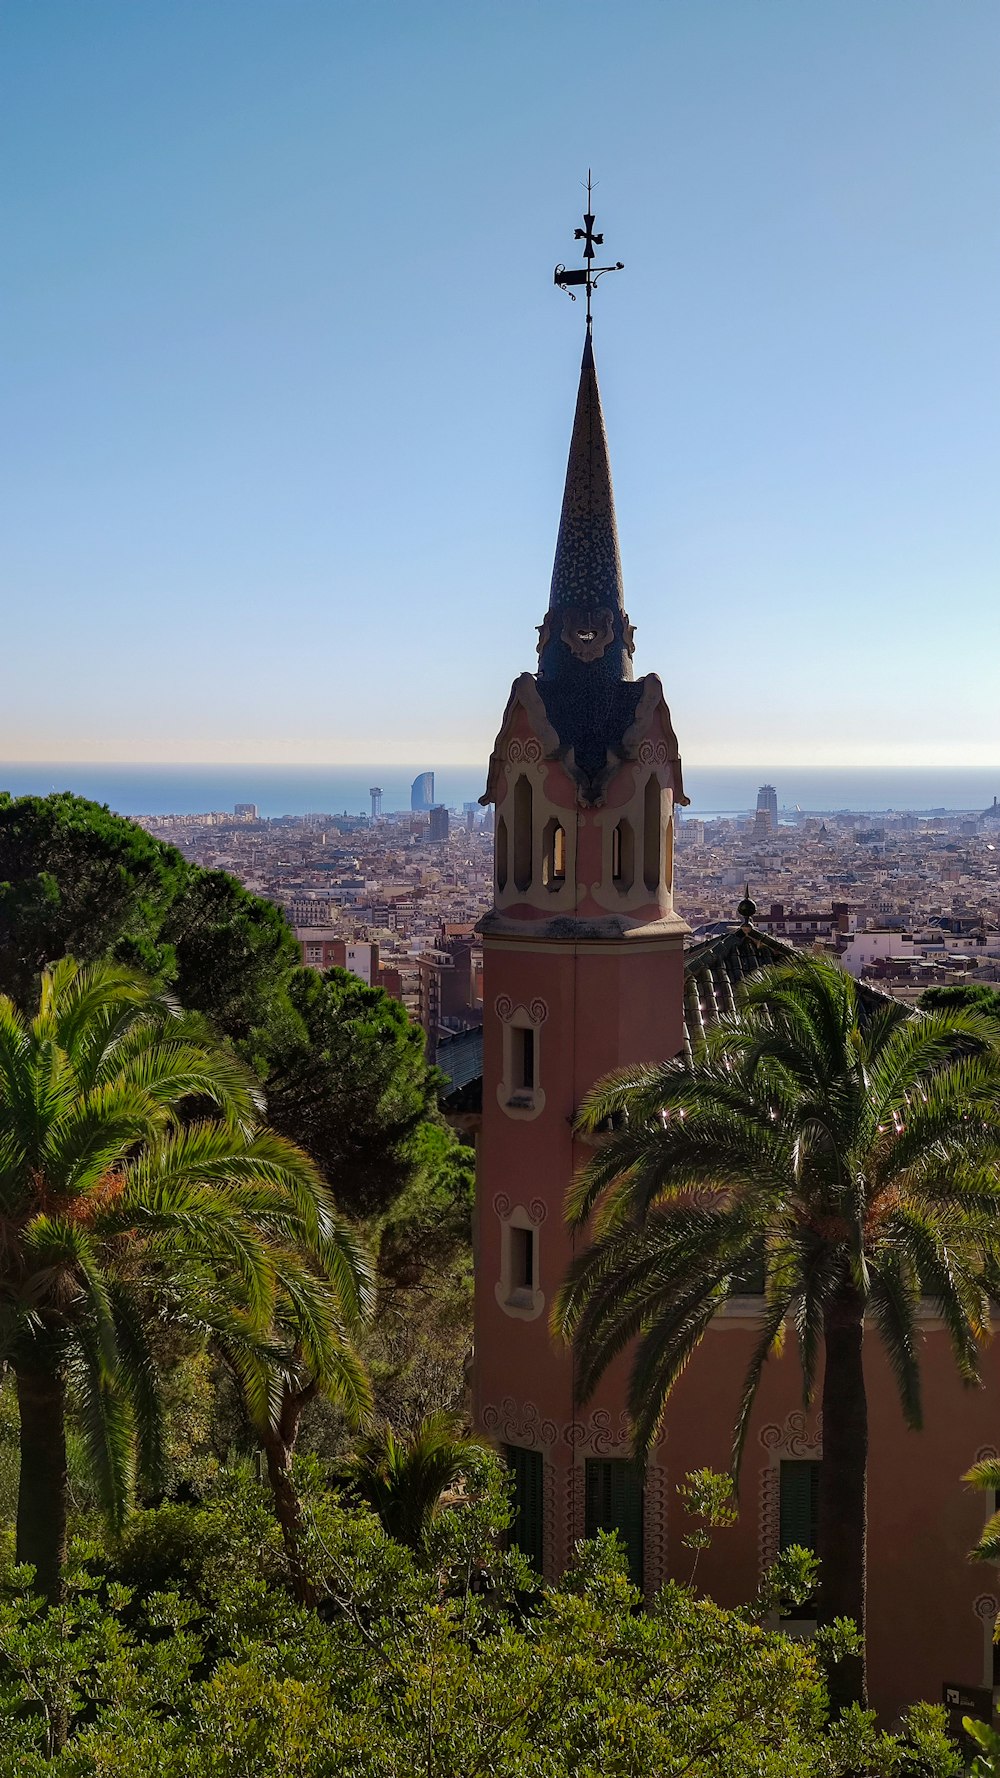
(279, 1444)
(843, 1488)
(42, 1481)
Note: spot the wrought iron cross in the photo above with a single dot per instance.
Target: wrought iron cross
(588, 274)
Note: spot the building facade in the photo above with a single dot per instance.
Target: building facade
(584, 971)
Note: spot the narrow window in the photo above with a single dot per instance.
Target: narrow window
(527, 1530)
(523, 1042)
(522, 1259)
(559, 854)
(651, 835)
(613, 1502)
(501, 855)
(798, 1519)
(623, 856)
(522, 833)
(553, 855)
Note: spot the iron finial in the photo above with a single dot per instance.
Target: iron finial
(747, 908)
(587, 274)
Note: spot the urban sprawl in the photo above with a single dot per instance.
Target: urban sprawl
(904, 900)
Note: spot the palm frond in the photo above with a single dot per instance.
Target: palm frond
(106, 1422)
(769, 1343)
(893, 1302)
(139, 1373)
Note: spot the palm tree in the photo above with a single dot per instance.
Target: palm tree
(850, 1154)
(308, 1350)
(404, 1480)
(115, 1204)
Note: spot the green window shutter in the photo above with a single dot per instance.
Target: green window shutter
(528, 1529)
(613, 1502)
(799, 1518)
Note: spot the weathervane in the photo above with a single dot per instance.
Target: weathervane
(588, 273)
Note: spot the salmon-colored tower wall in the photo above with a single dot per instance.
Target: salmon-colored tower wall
(593, 963)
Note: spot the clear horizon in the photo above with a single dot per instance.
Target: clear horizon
(290, 388)
(158, 789)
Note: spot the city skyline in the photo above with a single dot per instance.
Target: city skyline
(292, 389)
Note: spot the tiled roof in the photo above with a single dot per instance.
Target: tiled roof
(714, 968)
(460, 1057)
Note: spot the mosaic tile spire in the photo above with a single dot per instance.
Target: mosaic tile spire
(586, 636)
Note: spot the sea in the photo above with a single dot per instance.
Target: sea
(336, 790)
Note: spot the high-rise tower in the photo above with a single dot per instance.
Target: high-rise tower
(422, 792)
(583, 973)
(767, 804)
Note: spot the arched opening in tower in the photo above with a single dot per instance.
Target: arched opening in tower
(522, 832)
(554, 854)
(623, 856)
(651, 836)
(502, 867)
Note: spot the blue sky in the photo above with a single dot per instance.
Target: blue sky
(288, 388)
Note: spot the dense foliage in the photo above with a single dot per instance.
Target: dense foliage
(180, 1654)
(978, 996)
(351, 1084)
(184, 1291)
(343, 1068)
(119, 1208)
(78, 881)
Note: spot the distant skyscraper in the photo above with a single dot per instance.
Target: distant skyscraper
(422, 792)
(471, 811)
(247, 810)
(439, 821)
(767, 803)
(376, 795)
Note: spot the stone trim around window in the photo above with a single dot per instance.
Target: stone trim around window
(516, 1297)
(518, 1096)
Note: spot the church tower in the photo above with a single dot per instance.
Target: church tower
(582, 973)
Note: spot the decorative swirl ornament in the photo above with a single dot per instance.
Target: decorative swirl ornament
(599, 1434)
(653, 753)
(505, 1008)
(536, 1211)
(529, 752)
(795, 1437)
(520, 1423)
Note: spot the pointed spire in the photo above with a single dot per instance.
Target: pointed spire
(586, 632)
